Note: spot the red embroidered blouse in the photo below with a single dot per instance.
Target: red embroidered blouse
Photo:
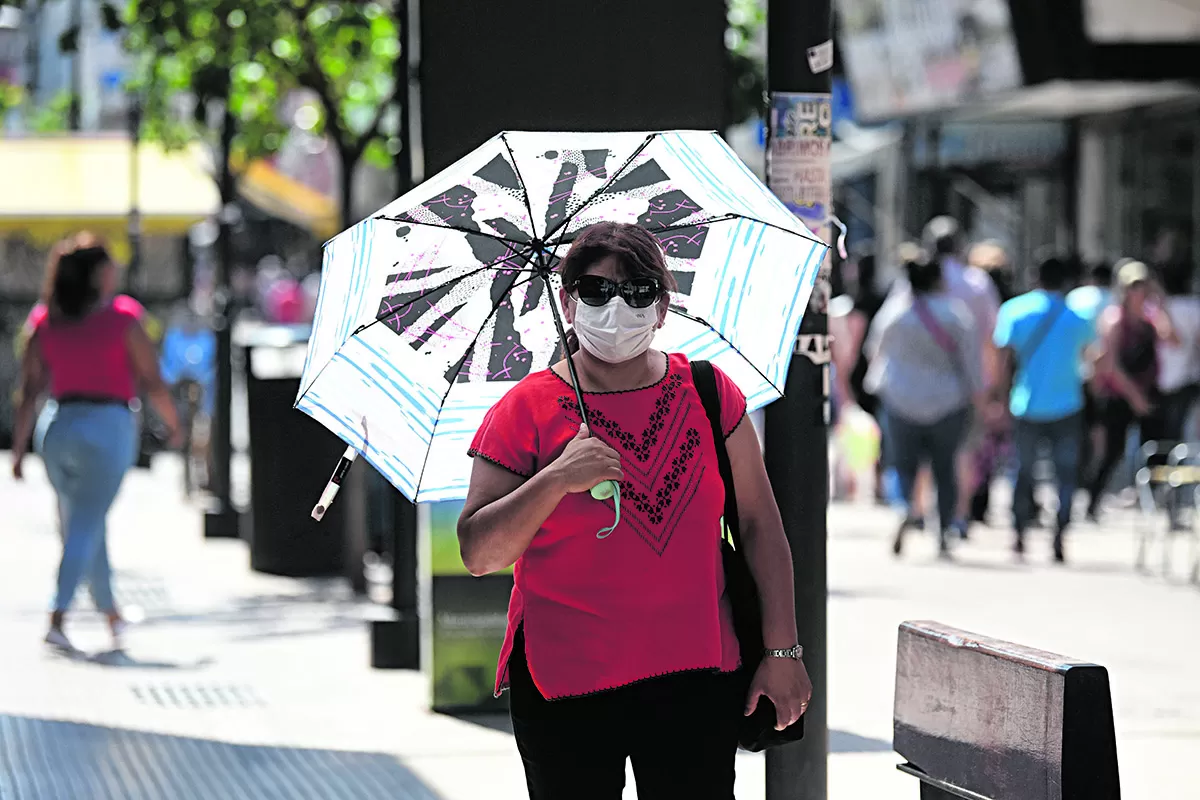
(649, 599)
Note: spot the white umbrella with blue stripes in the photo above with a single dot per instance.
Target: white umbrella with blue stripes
(434, 307)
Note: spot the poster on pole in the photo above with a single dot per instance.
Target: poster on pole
(468, 618)
(798, 167)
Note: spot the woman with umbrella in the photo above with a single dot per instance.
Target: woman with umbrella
(622, 646)
(438, 331)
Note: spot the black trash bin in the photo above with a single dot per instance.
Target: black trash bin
(291, 457)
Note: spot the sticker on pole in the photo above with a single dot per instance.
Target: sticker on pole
(820, 58)
(798, 168)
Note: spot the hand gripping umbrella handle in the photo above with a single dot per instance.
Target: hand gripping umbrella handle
(335, 483)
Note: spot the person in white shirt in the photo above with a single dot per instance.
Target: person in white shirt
(1179, 363)
(943, 236)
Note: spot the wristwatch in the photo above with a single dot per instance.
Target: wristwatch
(795, 653)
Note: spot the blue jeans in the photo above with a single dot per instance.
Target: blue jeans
(87, 448)
(1063, 437)
(910, 443)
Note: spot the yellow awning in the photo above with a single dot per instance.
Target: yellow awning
(51, 186)
(289, 199)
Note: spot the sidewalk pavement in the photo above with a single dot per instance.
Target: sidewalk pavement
(242, 685)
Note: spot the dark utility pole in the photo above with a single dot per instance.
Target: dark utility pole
(74, 122)
(222, 521)
(396, 644)
(133, 277)
(799, 59)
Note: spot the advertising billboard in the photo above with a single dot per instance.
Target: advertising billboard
(1112, 21)
(905, 57)
(467, 621)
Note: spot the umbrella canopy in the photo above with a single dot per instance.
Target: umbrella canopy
(433, 308)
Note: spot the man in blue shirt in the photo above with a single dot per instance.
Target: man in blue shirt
(1044, 339)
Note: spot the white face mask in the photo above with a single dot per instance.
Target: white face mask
(615, 332)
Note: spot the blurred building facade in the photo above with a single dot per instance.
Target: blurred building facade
(1072, 125)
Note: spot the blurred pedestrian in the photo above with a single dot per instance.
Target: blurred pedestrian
(1045, 342)
(943, 236)
(995, 443)
(1094, 295)
(850, 317)
(626, 650)
(1127, 367)
(991, 257)
(1179, 362)
(1089, 300)
(925, 370)
(1178, 369)
(88, 350)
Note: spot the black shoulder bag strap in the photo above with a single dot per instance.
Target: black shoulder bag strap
(756, 732)
(1036, 340)
(706, 384)
(1040, 333)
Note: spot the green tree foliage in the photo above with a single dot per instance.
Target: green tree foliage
(250, 53)
(744, 47)
(192, 56)
(345, 53)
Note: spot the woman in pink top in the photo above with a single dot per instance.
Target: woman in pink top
(621, 646)
(87, 349)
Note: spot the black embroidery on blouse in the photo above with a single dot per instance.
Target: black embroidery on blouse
(660, 481)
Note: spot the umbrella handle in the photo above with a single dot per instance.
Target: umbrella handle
(335, 483)
(603, 490)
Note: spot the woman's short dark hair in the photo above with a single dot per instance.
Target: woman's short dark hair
(71, 275)
(924, 272)
(640, 254)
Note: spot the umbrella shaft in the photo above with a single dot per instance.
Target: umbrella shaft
(562, 336)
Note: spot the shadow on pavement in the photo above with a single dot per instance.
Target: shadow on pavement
(120, 658)
(839, 741)
(56, 760)
(846, 742)
(496, 721)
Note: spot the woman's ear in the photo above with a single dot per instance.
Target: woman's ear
(568, 306)
(663, 306)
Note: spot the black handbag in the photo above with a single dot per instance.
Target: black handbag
(757, 731)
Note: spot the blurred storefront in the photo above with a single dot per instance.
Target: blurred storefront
(1067, 125)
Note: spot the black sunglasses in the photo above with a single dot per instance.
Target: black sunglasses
(594, 290)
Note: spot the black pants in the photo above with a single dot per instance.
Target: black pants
(680, 731)
(1116, 415)
(1172, 412)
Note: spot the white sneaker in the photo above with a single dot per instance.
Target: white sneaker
(57, 639)
(118, 634)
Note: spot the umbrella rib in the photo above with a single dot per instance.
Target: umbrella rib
(679, 227)
(521, 180)
(441, 286)
(709, 325)
(379, 319)
(461, 362)
(617, 174)
(458, 228)
(809, 235)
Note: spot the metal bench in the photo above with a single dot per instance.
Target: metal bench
(984, 719)
(1153, 492)
(1167, 482)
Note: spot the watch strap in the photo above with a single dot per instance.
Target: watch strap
(796, 653)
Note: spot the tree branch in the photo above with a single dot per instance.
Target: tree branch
(315, 79)
(373, 129)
